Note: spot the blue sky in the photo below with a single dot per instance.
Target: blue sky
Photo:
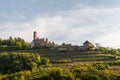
(70, 21)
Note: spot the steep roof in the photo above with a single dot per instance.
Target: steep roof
(87, 41)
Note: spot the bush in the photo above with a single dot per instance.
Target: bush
(101, 66)
(45, 61)
(93, 77)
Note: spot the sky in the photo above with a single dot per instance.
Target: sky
(69, 21)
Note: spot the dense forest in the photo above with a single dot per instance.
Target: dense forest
(13, 44)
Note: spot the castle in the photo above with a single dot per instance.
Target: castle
(44, 42)
(40, 42)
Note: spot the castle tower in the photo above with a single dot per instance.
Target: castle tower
(34, 35)
(46, 40)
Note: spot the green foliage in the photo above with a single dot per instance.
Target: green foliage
(93, 77)
(101, 66)
(13, 44)
(96, 71)
(63, 61)
(76, 73)
(27, 66)
(15, 62)
(45, 61)
(114, 52)
(63, 44)
(56, 73)
(33, 65)
(19, 45)
(109, 50)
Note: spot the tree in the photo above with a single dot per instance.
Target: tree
(56, 73)
(45, 61)
(10, 38)
(77, 72)
(63, 44)
(33, 65)
(0, 41)
(13, 44)
(19, 45)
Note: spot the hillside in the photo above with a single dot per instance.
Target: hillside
(72, 58)
(35, 65)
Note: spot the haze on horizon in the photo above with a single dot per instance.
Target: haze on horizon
(70, 21)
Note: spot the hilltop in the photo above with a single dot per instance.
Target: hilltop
(46, 60)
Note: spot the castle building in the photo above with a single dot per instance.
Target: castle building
(40, 42)
(86, 45)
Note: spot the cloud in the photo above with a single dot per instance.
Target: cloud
(99, 25)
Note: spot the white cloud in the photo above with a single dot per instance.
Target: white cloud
(74, 26)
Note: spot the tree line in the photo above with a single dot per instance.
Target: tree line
(114, 52)
(13, 44)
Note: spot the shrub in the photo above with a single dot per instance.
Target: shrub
(45, 61)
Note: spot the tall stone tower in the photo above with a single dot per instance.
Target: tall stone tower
(34, 35)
